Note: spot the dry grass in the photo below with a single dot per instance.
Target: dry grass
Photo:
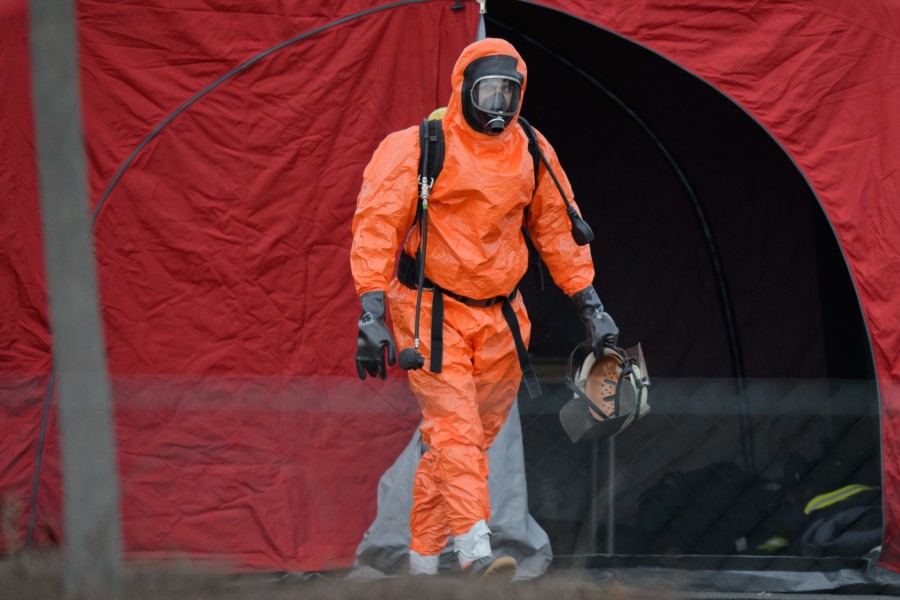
(11, 511)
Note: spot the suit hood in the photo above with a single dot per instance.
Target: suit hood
(480, 55)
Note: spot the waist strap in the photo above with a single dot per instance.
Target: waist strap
(407, 274)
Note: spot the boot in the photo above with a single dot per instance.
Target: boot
(488, 567)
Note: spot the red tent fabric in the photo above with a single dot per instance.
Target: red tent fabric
(223, 251)
(222, 182)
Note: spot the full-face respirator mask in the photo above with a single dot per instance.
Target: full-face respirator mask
(492, 89)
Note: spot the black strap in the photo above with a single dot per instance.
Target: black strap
(407, 269)
(437, 331)
(528, 374)
(431, 136)
(532, 148)
(534, 257)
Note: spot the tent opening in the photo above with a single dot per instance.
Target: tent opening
(713, 252)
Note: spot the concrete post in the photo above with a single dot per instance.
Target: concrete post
(92, 539)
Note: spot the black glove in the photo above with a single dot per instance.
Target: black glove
(373, 337)
(601, 329)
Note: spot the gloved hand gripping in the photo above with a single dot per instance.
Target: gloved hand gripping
(601, 329)
(373, 338)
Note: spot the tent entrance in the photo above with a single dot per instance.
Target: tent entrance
(714, 253)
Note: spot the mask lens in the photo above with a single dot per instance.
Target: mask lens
(496, 95)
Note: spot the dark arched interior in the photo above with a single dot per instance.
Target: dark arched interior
(776, 392)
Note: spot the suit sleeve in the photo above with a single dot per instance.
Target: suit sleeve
(570, 265)
(385, 210)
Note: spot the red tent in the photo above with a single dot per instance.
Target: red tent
(225, 149)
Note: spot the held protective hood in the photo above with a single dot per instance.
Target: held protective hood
(610, 393)
(491, 93)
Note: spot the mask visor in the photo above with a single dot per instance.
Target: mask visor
(497, 95)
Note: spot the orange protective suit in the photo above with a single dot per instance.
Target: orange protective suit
(476, 249)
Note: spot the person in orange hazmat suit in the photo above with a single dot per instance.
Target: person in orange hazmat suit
(475, 256)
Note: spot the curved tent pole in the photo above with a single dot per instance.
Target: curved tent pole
(118, 175)
(711, 248)
(242, 67)
(39, 454)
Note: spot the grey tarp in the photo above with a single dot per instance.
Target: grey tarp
(383, 550)
(817, 576)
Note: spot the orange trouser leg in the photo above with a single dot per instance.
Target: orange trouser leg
(463, 407)
(498, 374)
(428, 518)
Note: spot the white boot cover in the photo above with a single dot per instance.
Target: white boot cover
(473, 544)
(423, 565)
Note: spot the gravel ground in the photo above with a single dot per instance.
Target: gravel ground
(37, 576)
